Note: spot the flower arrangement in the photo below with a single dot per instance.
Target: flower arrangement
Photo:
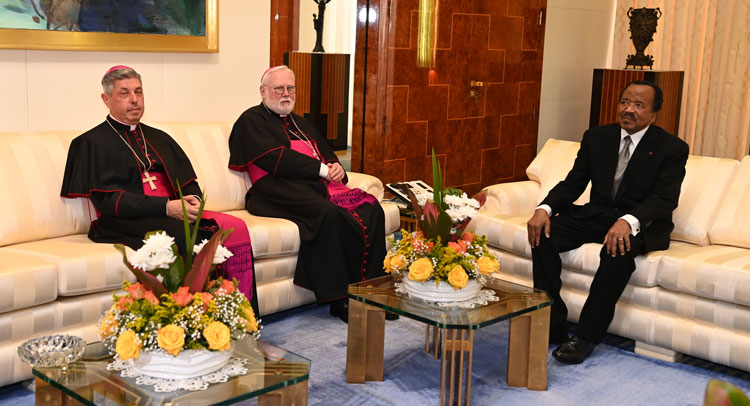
(442, 250)
(174, 306)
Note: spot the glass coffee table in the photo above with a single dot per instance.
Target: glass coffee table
(452, 334)
(275, 376)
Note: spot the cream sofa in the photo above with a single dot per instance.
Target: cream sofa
(693, 298)
(53, 279)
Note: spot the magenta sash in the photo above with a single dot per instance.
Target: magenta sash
(240, 264)
(338, 193)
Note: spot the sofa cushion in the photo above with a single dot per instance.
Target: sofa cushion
(714, 272)
(49, 317)
(646, 266)
(207, 146)
(82, 266)
(552, 164)
(732, 223)
(25, 281)
(33, 164)
(504, 231)
(392, 217)
(716, 312)
(512, 197)
(703, 190)
(270, 237)
(275, 268)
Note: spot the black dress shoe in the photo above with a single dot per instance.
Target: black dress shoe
(574, 351)
(340, 309)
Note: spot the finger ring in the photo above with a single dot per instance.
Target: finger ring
(619, 239)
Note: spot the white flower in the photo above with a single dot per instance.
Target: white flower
(461, 207)
(156, 253)
(221, 255)
(422, 196)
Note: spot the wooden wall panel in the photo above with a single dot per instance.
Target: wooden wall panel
(477, 106)
(322, 93)
(284, 29)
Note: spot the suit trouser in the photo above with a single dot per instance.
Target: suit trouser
(567, 233)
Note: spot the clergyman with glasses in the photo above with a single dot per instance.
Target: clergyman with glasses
(295, 175)
(131, 172)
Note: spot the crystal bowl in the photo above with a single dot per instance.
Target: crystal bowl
(52, 351)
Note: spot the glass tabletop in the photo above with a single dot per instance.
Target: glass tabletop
(88, 381)
(513, 300)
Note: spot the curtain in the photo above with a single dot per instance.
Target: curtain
(710, 41)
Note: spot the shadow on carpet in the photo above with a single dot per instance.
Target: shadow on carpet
(613, 375)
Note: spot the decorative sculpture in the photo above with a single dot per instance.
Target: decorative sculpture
(643, 23)
(318, 24)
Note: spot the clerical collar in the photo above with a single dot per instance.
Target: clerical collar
(271, 112)
(132, 126)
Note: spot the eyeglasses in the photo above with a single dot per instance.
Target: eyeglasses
(624, 103)
(280, 89)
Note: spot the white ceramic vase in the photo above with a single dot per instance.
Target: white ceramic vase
(443, 293)
(187, 364)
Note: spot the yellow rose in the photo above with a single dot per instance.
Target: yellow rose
(251, 324)
(398, 263)
(487, 265)
(420, 270)
(171, 338)
(387, 263)
(457, 277)
(107, 328)
(217, 335)
(128, 345)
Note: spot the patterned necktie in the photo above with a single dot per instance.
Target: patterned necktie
(622, 163)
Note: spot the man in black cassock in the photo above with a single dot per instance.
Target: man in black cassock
(131, 172)
(295, 175)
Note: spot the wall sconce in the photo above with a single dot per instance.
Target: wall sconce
(427, 35)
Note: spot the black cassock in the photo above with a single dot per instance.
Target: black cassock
(337, 247)
(101, 167)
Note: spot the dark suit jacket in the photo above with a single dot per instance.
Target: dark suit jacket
(649, 190)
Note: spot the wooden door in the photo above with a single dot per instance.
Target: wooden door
(474, 99)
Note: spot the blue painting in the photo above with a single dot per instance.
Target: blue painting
(171, 17)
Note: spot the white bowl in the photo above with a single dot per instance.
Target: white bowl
(187, 364)
(443, 293)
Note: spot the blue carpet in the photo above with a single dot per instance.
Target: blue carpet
(613, 375)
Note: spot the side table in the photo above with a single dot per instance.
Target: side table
(275, 376)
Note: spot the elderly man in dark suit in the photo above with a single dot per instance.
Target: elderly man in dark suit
(636, 170)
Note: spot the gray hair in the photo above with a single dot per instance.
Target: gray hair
(274, 69)
(108, 81)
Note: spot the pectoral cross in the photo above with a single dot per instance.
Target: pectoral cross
(150, 179)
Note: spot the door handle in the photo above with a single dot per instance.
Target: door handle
(476, 83)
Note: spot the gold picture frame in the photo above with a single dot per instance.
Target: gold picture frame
(11, 38)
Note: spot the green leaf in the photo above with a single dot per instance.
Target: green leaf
(443, 228)
(437, 182)
(148, 280)
(175, 275)
(198, 275)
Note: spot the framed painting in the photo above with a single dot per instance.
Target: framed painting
(110, 25)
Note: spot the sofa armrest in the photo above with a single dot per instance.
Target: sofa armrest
(512, 198)
(368, 183)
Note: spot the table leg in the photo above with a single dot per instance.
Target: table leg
(457, 350)
(365, 343)
(528, 345)
(293, 395)
(435, 340)
(48, 395)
